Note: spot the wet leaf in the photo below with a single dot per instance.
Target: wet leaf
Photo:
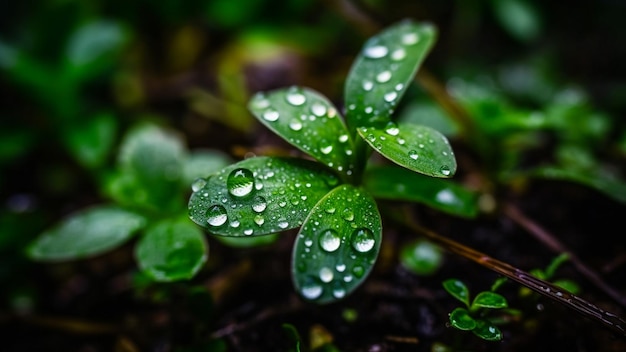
(337, 246)
(171, 250)
(488, 299)
(395, 183)
(310, 122)
(417, 148)
(457, 289)
(259, 196)
(383, 70)
(487, 331)
(86, 233)
(461, 319)
(421, 257)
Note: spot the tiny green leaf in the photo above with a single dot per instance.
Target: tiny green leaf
(396, 183)
(422, 257)
(171, 250)
(487, 331)
(488, 299)
(259, 196)
(92, 139)
(86, 233)
(418, 148)
(383, 70)
(310, 122)
(457, 289)
(337, 245)
(461, 319)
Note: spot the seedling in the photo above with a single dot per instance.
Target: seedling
(474, 316)
(332, 199)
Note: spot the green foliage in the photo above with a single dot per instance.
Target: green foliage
(332, 200)
(147, 191)
(421, 257)
(474, 316)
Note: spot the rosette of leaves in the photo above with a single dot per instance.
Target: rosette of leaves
(332, 199)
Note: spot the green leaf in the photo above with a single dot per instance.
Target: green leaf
(487, 331)
(259, 196)
(337, 245)
(461, 319)
(151, 162)
(457, 289)
(91, 141)
(202, 163)
(172, 250)
(383, 70)
(310, 122)
(86, 233)
(421, 257)
(488, 299)
(417, 148)
(395, 183)
(248, 241)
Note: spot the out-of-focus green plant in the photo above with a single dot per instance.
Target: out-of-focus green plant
(147, 193)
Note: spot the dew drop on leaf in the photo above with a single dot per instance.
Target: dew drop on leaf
(295, 125)
(216, 215)
(390, 97)
(295, 98)
(413, 154)
(311, 290)
(410, 38)
(198, 184)
(392, 129)
(318, 109)
(338, 290)
(259, 220)
(383, 76)
(375, 51)
(347, 215)
(362, 240)
(445, 170)
(326, 274)
(368, 85)
(282, 223)
(271, 115)
(259, 204)
(398, 54)
(329, 240)
(240, 182)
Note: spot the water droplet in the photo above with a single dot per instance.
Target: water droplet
(308, 242)
(401, 141)
(358, 271)
(311, 290)
(259, 204)
(259, 220)
(216, 215)
(398, 54)
(295, 125)
(368, 85)
(235, 224)
(347, 215)
(445, 170)
(260, 102)
(363, 240)
(375, 52)
(248, 232)
(325, 147)
(383, 76)
(399, 86)
(295, 98)
(198, 184)
(282, 204)
(413, 154)
(338, 290)
(343, 138)
(370, 137)
(330, 240)
(271, 115)
(240, 182)
(282, 223)
(410, 38)
(330, 210)
(318, 109)
(392, 129)
(391, 96)
(340, 268)
(326, 275)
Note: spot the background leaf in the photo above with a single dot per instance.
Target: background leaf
(488, 299)
(171, 250)
(259, 196)
(418, 148)
(337, 246)
(383, 70)
(396, 183)
(457, 289)
(86, 233)
(309, 121)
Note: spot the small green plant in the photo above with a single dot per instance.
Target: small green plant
(332, 199)
(475, 315)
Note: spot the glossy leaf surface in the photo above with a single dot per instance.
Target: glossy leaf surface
(396, 183)
(417, 148)
(383, 70)
(259, 196)
(171, 250)
(488, 299)
(337, 246)
(457, 289)
(310, 122)
(487, 331)
(461, 319)
(87, 233)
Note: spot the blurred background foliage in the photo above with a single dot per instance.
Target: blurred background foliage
(77, 75)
